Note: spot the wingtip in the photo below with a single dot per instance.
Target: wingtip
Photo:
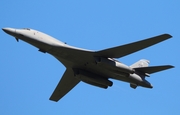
(53, 100)
(168, 35)
(170, 66)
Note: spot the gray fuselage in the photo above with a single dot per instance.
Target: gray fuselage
(79, 59)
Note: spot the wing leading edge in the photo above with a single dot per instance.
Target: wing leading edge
(67, 82)
(120, 51)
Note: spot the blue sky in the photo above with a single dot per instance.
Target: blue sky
(28, 77)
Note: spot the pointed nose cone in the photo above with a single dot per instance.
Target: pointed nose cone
(10, 31)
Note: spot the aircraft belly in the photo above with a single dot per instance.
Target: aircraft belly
(87, 63)
(104, 72)
(94, 68)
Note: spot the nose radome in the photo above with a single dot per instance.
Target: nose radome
(9, 30)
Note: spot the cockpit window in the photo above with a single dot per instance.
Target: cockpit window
(26, 28)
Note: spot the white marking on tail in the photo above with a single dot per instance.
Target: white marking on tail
(140, 63)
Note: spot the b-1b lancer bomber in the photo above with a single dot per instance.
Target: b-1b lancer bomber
(92, 67)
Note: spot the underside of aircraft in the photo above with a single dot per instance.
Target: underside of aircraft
(96, 68)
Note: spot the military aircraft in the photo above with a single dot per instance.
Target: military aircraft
(92, 67)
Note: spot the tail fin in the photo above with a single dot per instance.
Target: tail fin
(140, 63)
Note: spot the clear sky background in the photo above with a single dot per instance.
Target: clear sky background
(28, 77)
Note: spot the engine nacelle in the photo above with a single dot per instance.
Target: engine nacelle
(93, 79)
(139, 81)
(113, 65)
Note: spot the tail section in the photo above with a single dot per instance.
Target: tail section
(142, 67)
(142, 70)
(140, 63)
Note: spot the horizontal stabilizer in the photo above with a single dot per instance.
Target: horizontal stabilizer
(153, 69)
(120, 51)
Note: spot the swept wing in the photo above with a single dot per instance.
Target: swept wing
(120, 51)
(67, 82)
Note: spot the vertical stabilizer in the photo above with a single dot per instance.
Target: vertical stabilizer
(140, 63)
